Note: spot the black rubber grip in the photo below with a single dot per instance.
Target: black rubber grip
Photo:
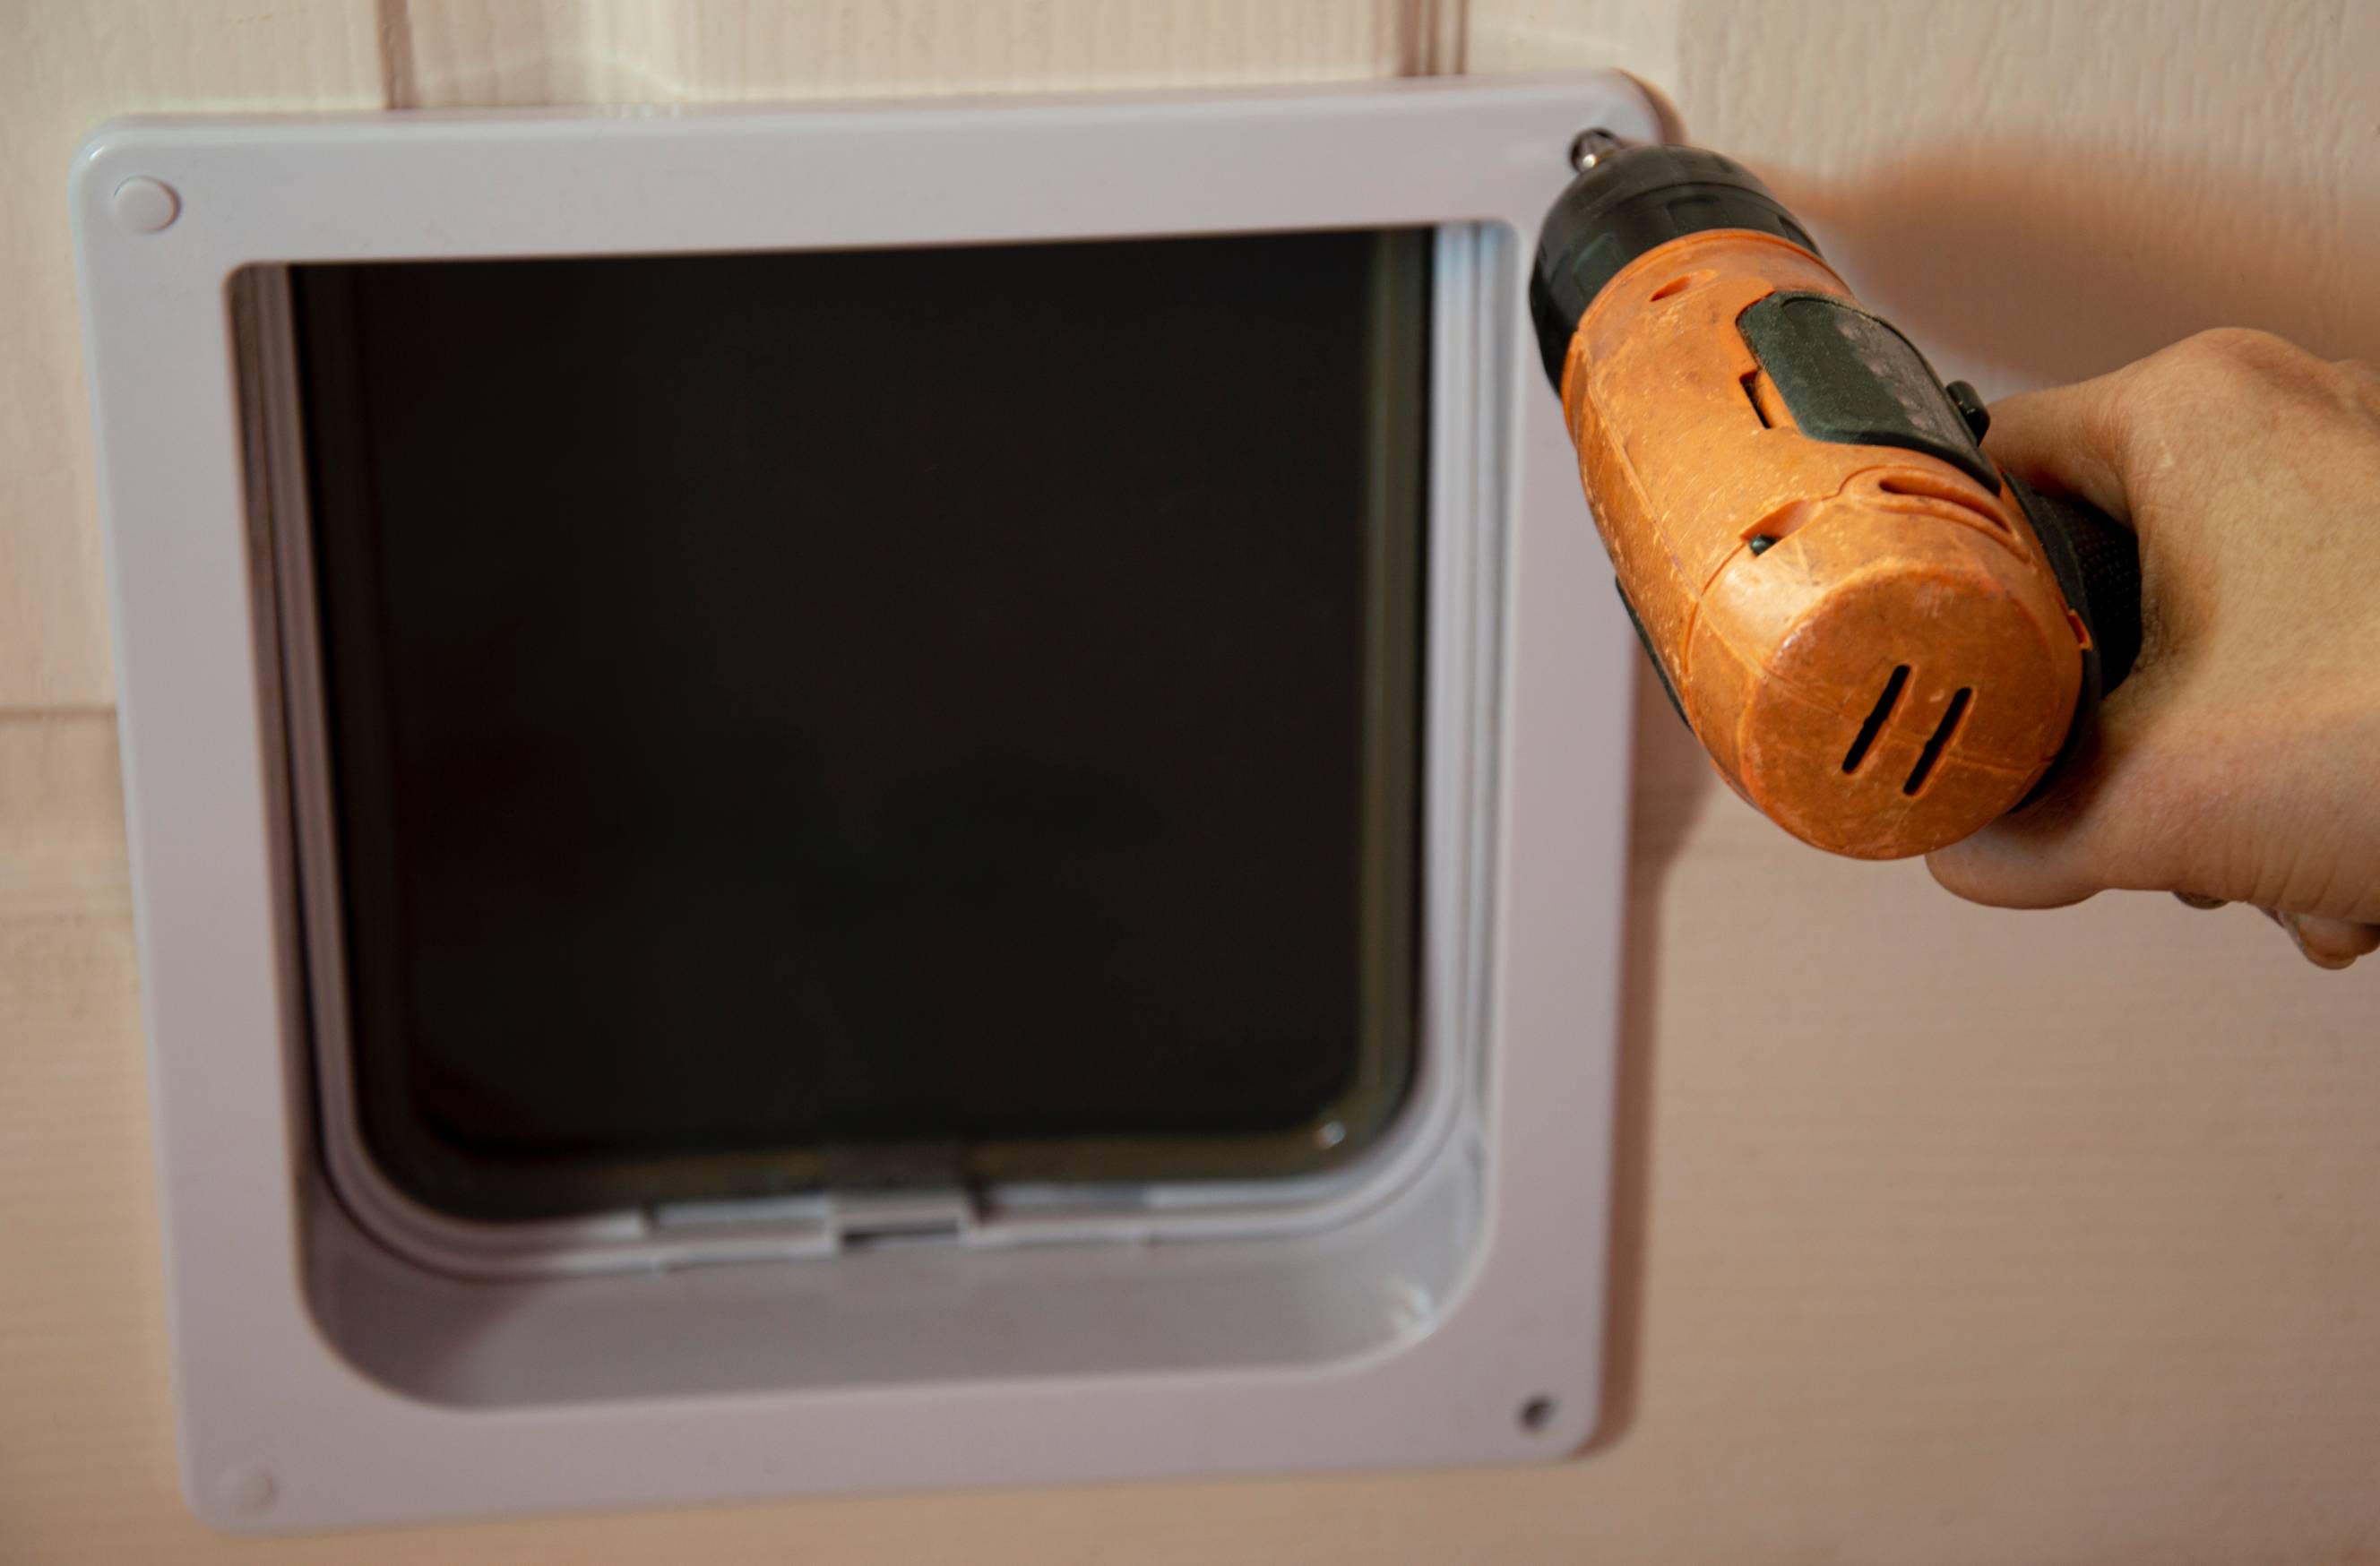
(2097, 562)
(1850, 376)
(1633, 201)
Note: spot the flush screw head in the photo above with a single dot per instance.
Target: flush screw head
(144, 205)
(245, 1488)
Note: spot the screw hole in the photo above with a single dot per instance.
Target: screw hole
(1538, 1412)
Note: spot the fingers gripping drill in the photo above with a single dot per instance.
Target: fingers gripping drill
(1883, 641)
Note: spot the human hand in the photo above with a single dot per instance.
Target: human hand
(2241, 761)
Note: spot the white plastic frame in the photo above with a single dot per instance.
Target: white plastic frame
(321, 1380)
(1458, 706)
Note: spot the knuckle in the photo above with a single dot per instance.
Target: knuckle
(2329, 944)
(2359, 386)
(2241, 358)
(2244, 347)
(2198, 388)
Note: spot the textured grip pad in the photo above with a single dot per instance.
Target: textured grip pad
(2098, 566)
(2097, 562)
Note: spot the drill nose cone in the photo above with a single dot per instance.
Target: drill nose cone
(1630, 198)
(1593, 145)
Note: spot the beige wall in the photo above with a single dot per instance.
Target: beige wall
(2038, 189)
(1950, 1236)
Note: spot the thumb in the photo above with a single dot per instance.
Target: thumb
(2037, 858)
(2069, 440)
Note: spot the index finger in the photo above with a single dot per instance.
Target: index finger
(2067, 439)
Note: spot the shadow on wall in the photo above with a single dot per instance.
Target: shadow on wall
(1674, 784)
(2053, 261)
(2050, 261)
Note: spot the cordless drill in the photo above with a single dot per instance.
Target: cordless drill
(1883, 641)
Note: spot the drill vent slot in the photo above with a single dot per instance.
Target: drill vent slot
(1912, 486)
(1877, 718)
(1932, 751)
(1751, 384)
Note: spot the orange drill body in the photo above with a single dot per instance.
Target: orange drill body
(1884, 559)
(1876, 646)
